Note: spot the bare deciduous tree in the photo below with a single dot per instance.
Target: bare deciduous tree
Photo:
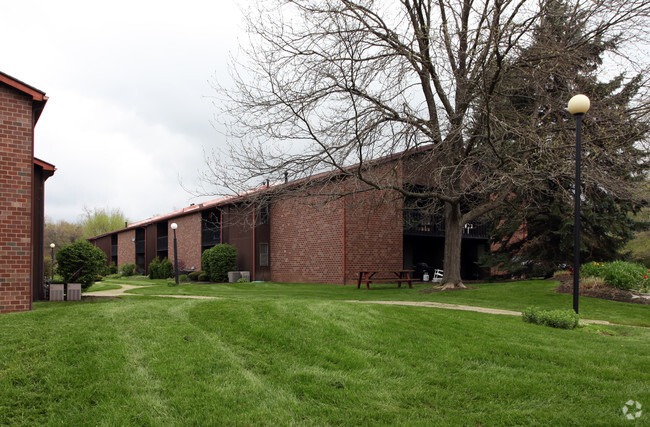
(335, 85)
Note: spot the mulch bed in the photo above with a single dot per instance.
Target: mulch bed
(604, 292)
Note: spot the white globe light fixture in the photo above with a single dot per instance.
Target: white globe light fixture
(578, 106)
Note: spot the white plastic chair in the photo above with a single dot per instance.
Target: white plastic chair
(437, 275)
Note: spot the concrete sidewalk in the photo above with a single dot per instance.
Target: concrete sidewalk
(124, 288)
(464, 308)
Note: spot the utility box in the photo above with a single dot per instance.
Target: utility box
(245, 275)
(233, 276)
(56, 292)
(74, 292)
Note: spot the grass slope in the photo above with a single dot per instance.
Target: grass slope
(308, 360)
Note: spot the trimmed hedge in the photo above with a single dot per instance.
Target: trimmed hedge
(161, 269)
(218, 261)
(80, 262)
(194, 276)
(563, 319)
(128, 269)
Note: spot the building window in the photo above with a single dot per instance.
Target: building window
(264, 254)
(264, 214)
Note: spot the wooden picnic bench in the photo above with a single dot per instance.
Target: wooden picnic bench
(385, 276)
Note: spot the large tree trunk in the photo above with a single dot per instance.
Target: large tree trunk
(453, 240)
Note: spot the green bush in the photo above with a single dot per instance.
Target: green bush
(128, 269)
(183, 278)
(194, 276)
(203, 277)
(161, 269)
(242, 280)
(218, 261)
(80, 262)
(617, 274)
(563, 319)
(110, 269)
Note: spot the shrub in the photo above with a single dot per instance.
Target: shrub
(242, 280)
(563, 319)
(194, 276)
(203, 277)
(218, 261)
(183, 278)
(80, 262)
(128, 269)
(617, 274)
(161, 269)
(110, 269)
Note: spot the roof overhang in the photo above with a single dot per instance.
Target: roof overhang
(38, 96)
(48, 168)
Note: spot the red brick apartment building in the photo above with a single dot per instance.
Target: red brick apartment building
(297, 239)
(22, 182)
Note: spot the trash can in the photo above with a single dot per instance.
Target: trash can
(420, 269)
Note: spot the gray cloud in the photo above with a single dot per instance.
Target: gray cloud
(129, 111)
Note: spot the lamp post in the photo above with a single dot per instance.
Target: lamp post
(578, 106)
(52, 246)
(174, 227)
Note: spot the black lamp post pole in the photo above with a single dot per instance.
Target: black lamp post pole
(175, 258)
(576, 216)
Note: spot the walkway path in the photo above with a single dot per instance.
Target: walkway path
(124, 288)
(464, 308)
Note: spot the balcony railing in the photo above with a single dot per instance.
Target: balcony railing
(210, 237)
(418, 223)
(139, 247)
(162, 243)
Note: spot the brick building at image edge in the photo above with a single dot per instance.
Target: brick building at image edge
(298, 239)
(22, 182)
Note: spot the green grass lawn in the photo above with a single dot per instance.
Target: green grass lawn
(101, 286)
(509, 296)
(280, 354)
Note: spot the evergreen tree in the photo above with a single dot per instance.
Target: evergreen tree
(613, 157)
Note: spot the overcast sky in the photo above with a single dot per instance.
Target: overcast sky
(129, 86)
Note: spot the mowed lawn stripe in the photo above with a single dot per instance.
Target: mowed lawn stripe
(270, 361)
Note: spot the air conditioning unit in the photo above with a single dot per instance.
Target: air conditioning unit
(56, 292)
(74, 292)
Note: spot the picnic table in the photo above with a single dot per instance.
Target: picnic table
(385, 276)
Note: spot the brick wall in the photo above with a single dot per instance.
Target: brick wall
(188, 236)
(125, 248)
(330, 243)
(16, 169)
(306, 241)
(374, 233)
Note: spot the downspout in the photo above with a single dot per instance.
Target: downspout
(344, 243)
(220, 226)
(254, 257)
